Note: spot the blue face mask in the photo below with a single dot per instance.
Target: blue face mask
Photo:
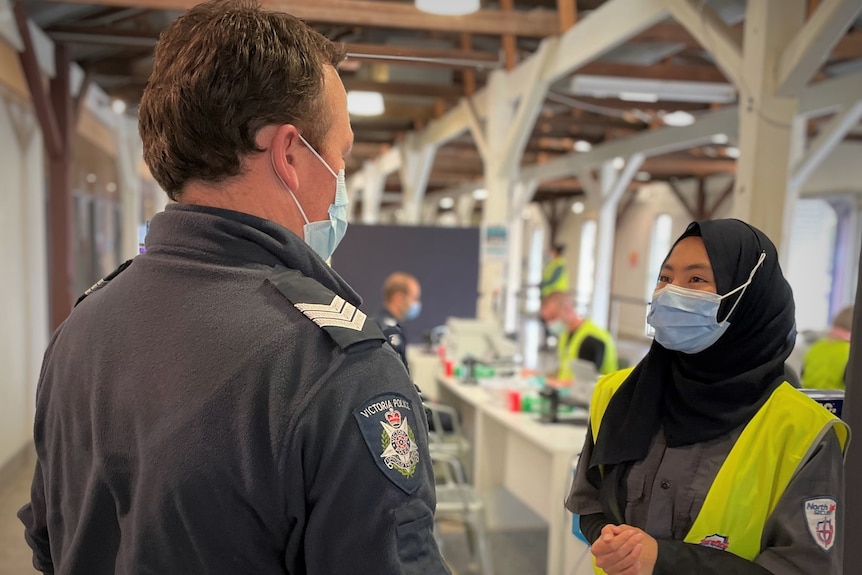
(414, 310)
(686, 320)
(324, 236)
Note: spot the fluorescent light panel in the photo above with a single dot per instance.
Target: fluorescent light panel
(361, 103)
(644, 90)
(448, 7)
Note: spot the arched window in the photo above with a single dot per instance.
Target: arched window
(586, 268)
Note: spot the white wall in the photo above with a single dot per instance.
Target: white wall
(23, 291)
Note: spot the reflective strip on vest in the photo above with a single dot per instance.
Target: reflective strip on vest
(569, 346)
(758, 469)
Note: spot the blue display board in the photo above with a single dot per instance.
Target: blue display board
(444, 260)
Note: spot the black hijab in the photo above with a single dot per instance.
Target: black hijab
(702, 396)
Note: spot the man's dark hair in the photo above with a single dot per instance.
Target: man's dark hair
(222, 71)
(559, 248)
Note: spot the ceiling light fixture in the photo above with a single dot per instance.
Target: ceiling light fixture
(732, 152)
(678, 119)
(719, 139)
(638, 97)
(582, 146)
(646, 90)
(643, 176)
(578, 208)
(361, 103)
(480, 194)
(618, 163)
(447, 203)
(119, 107)
(448, 7)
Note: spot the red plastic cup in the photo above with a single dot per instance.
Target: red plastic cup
(448, 368)
(514, 398)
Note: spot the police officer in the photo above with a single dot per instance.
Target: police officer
(401, 302)
(703, 459)
(223, 405)
(577, 337)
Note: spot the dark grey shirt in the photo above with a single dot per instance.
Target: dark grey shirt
(192, 419)
(667, 489)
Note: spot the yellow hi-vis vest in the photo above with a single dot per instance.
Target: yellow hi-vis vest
(569, 345)
(767, 455)
(561, 283)
(825, 363)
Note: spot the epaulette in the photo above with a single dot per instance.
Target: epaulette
(344, 322)
(104, 281)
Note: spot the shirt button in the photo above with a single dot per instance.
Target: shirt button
(665, 485)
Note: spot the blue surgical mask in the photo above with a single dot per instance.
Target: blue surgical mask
(558, 327)
(414, 310)
(686, 320)
(324, 236)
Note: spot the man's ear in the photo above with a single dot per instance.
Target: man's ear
(284, 147)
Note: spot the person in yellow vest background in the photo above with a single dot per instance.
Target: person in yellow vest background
(703, 459)
(577, 337)
(825, 362)
(555, 276)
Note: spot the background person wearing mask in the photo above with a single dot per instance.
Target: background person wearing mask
(702, 459)
(401, 302)
(221, 405)
(555, 276)
(825, 362)
(577, 337)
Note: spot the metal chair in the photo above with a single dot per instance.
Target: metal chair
(446, 435)
(458, 501)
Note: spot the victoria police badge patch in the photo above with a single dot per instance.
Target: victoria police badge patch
(820, 516)
(385, 422)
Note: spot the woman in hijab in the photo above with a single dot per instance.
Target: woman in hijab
(702, 459)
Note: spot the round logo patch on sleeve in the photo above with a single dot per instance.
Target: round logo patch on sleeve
(820, 516)
(386, 422)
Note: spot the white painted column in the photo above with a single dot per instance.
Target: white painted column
(514, 273)
(465, 205)
(372, 192)
(613, 184)
(429, 213)
(415, 169)
(498, 183)
(129, 151)
(522, 194)
(766, 120)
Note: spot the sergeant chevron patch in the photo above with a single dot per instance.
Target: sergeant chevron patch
(338, 313)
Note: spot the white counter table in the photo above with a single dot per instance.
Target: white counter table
(529, 459)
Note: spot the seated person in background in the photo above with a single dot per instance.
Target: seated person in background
(702, 459)
(577, 337)
(401, 302)
(825, 362)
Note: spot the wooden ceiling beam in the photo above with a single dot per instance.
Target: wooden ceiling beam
(465, 57)
(658, 72)
(532, 24)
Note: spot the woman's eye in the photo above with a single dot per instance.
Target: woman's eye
(663, 279)
(698, 279)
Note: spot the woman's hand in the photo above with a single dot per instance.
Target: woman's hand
(625, 550)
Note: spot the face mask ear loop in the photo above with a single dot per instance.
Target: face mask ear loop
(744, 286)
(319, 157)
